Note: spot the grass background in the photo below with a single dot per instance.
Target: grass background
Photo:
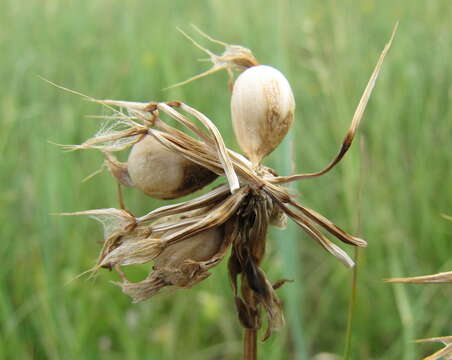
(390, 189)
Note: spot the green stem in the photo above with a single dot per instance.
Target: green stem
(351, 308)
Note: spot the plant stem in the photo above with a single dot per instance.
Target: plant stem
(292, 295)
(250, 344)
(351, 308)
(120, 197)
(358, 220)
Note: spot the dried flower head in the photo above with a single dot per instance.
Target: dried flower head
(186, 239)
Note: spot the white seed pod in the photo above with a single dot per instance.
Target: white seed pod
(262, 108)
(162, 173)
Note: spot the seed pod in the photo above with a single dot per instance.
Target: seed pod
(182, 264)
(178, 263)
(162, 173)
(262, 108)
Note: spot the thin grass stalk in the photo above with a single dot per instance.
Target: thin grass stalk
(352, 307)
(405, 310)
(358, 226)
(292, 294)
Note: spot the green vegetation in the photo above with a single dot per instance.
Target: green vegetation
(390, 188)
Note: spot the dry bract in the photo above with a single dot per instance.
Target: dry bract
(186, 239)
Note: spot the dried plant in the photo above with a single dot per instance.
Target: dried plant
(185, 240)
(440, 278)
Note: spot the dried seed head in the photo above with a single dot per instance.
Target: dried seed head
(262, 108)
(162, 173)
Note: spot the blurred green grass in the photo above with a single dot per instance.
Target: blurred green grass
(131, 50)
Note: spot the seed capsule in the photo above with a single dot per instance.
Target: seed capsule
(162, 173)
(262, 108)
(176, 263)
(182, 264)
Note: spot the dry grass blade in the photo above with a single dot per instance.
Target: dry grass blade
(445, 353)
(445, 277)
(354, 124)
(446, 340)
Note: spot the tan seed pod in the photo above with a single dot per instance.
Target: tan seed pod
(162, 173)
(182, 264)
(262, 108)
(175, 262)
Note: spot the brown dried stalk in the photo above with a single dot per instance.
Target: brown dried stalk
(186, 239)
